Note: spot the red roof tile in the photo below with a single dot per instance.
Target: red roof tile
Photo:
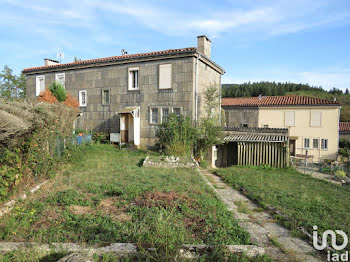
(276, 101)
(344, 126)
(112, 58)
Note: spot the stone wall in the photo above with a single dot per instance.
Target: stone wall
(100, 117)
(237, 117)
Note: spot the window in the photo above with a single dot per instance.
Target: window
(324, 143)
(306, 143)
(244, 125)
(105, 97)
(134, 78)
(176, 111)
(40, 85)
(289, 118)
(165, 113)
(316, 118)
(82, 98)
(266, 126)
(165, 76)
(60, 78)
(154, 115)
(315, 143)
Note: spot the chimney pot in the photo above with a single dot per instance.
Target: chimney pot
(204, 45)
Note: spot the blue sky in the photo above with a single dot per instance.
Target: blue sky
(297, 41)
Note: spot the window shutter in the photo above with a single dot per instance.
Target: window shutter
(40, 85)
(289, 118)
(316, 117)
(165, 76)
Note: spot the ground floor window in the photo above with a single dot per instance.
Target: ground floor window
(154, 115)
(82, 98)
(324, 144)
(165, 113)
(306, 143)
(315, 143)
(176, 111)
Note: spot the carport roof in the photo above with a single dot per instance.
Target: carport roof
(276, 138)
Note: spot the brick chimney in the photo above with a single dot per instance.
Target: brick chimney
(204, 45)
(48, 62)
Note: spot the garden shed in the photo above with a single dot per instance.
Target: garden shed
(253, 146)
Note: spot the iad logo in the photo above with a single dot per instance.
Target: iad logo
(323, 245)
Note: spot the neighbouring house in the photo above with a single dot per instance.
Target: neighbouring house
(312, 123)
(132, 94)
(344, 131)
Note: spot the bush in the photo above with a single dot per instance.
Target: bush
(58, 91)
(177, 135)
(340, 173)
(101, 137)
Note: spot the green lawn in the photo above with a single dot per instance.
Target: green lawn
(105, 196)
(305, 200)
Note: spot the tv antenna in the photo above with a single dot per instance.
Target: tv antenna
(60, 54)
(124, 52)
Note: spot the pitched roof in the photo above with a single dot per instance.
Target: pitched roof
(292, 100)
(119, 58)
(344, 126)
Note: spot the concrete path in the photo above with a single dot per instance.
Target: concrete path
(278, 242)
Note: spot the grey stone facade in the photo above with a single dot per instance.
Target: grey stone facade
(241, 116)
(113, 75)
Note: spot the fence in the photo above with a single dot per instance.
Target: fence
(56, 145)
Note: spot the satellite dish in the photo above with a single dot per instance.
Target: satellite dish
(60, 54)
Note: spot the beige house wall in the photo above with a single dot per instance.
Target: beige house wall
(274, 117)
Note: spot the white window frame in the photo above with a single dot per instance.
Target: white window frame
(312, 120)
(308, 139)
(151, 115)
(165, 69)
(161, 113)
(130, 78)
(81, 104)
(172, 110)
(323, 144)
(37, 84)
(285, 118)
(318, 143)
(58, 76)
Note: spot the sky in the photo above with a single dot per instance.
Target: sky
(297, 41)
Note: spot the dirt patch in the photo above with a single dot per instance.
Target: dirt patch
(116, 213)
(81, 210)
(163, 199)
(49, 217)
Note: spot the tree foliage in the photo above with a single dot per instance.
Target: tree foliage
(11, 85)
(58, 91)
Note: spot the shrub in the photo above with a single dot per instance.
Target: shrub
(340, 173)
(71, 101)
(177, 135)
(58, 91)
(101, 137)
(47, 96)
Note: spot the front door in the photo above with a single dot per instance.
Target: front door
(124, 128)
(292, 147)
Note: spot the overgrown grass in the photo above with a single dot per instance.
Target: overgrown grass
(305, 200)
(106, 197)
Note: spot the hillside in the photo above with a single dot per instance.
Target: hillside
(274, 89)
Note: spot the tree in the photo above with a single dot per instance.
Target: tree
(12, 86)
(58, 91)
(209, 127)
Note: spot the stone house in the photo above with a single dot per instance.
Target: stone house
(133, 93)
(312, 123)
(344, 131)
